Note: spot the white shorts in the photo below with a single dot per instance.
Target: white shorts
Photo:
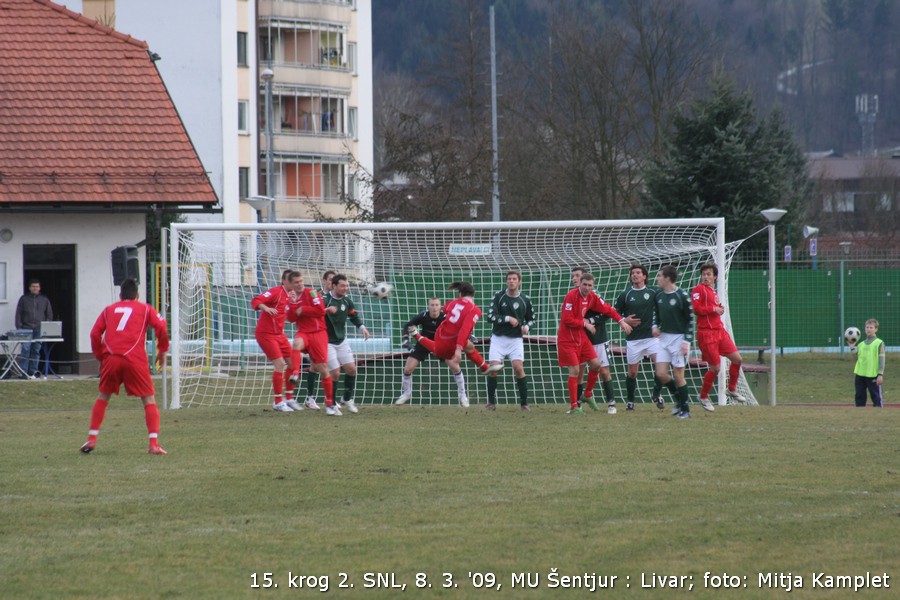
(669, 349)
(600, 349)
(638, 349)
(506, 347)
(340, 355)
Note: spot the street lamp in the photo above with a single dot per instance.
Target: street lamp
(259, 204)
(267, 75)
(772, 215)
(845, 248)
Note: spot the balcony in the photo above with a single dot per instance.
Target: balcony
(338, 11)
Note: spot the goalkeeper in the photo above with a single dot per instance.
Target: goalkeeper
(428, 322)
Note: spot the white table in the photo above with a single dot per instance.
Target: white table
(11, 351)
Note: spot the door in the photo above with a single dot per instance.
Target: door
(54, 266)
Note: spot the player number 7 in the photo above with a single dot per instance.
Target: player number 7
(126, 312)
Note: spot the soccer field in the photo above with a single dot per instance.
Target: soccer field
(442, 496)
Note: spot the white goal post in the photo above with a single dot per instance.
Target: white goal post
(216, 269)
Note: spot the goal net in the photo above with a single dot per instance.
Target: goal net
(216, 269)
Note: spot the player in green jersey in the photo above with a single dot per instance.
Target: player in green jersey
(340, 355)
(512, 315)
(673, 326)
(636, 305)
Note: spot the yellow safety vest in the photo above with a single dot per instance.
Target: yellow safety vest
(867, 358)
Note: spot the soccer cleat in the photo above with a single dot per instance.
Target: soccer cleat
(492, 368)
(404, 398)
(660, 403)
(575, 411)
(736, 397)
(88, 447)
(464, 401)
(156, 450)
(350, 405)
(684, 415)
(472, 338)
(629, 407)
(611, 408)
(311, 403)
(332, 410)
(526, 408)
(293, 404)
(591, 402)
(706, 404)
(676, 411)
(413, 332)
(294, 379)
(281, 407)
(490, 406)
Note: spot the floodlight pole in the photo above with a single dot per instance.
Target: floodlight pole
(267, 75)
(772, 215)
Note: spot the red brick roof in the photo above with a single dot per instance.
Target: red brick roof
(85, 118)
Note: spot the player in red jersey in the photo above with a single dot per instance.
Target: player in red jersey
(308, 312)
(273, 307)
(573, 345)
(118, 340)
(712, 338)
(451, 339)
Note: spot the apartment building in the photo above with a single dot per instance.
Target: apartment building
(319, 140)
(213, 54)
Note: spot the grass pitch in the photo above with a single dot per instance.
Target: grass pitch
(483, 497)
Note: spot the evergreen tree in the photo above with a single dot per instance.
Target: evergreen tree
(722, 160)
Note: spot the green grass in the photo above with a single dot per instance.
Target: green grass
(409, 490)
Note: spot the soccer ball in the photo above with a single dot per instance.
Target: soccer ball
(852, 335)
(381, 290)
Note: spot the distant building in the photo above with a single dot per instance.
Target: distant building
(856, 199)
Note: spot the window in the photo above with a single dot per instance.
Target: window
(242, 48)
(352, 117)
(839, 202)
(243, 182)
(243, 108)
(3, 294)
(304, 43)
(351, 57)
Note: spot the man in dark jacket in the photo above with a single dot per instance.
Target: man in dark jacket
(31, 310)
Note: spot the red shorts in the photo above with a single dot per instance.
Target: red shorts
(444, 348)
(117, 370)
(714, 343)
(274, 346)
(572, 354)
(316, 345)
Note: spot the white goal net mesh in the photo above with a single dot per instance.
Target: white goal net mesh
(219, 269)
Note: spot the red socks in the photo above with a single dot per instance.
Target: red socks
(328, 386)
(708, 380)
(734, 371)
(97, 415)
(573, 391)
(151, 415)
(476, 358)
(593, 376)
(277, 384)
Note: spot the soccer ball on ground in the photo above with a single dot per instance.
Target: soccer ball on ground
(852, 335)
(381, 290)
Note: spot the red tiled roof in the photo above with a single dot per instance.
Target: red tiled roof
(85, 117)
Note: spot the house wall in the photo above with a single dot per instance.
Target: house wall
(94, 239)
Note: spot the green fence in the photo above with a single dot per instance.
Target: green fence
(815, 301)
